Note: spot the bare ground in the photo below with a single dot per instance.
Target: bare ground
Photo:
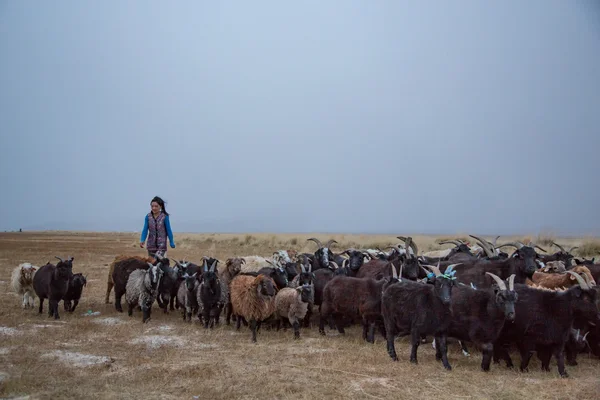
(114, 356)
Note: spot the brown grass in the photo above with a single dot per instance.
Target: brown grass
(170, 359)
(589, 248)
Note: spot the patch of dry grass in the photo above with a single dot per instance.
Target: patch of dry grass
(114, 356)
(589, 248)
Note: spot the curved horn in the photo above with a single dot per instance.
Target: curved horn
(572, 248)
(346, 261)
(212, 267)
(584, 336)
(516, 245)
(511, 282)
(276, 266)
(538, 247)
(434, 269)
(580, 280)
(409, 243)
(495, 241)
(450, 267)
(454, 242)
(317, 241)
(499, 281)
(335, 266)
(577, 337)
(302, 268)
(489, 251)
(560, 247)
(330, 242)
(394, 273)
(177, 263)
(61, 260)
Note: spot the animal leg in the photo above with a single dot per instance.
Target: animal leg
(118, 296)
(391, 349)
(464, 349)
(228, 313)
(415, 340)
(109, 287)
(371, 337)
(296, 326)
(443, 347)
(145, 313)
(525, 357)
(560, 360)
(253, 328)
(130, 308)
(487, 349)
(206, 317)
(238, 322)
(41, 305)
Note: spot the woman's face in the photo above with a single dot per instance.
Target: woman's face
(155, 207)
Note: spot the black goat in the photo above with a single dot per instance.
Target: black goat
(123, 267)
(478, 316)
(416, 309)
(52, 282)
(323, 254)
(209, 295)
(543, 322)
(76, 285)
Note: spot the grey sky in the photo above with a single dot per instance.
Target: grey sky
(340, 116)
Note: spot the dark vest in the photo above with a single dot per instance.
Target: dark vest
(157, 233)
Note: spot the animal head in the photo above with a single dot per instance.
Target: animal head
(265, 286)
(579, 339)
(589, 305)
(564, 254)
(27, 272)
(154, 274)
(210, 261)
(305, 293)
(64, 268)
(337, 270)
(505, 297)
(356, 259)
(181, 268)
(585, 273)
(323, 254)
(160, 259)
(527, 257)
(443, 283)
(190, 281)
(79, 280)
(585, 261)
(554, 267)
(281, 257)
(210, 278)
(410, 247)
(279, 275)
(234, 265)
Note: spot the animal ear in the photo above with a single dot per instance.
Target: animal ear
(572, 277)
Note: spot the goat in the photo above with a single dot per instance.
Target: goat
(543, 322)
(419, 309)
(142, 289)
(121, 268)
(209, 295)
(322, 255)
(73, 295)
(118, 261)
(186, 296)
(52, 282)
(21, 281)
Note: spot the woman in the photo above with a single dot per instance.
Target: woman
(157, 228)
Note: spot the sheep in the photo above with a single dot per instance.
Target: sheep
(351, 297)
(119, 272)
(233, 266)
(118, 261)
(255, 263)
(559, 280)
(186, 295)
(292, 304)
(142, 289)
(22, 283)
(76, 285)
(209, 295)
(252, 298)
(52, 282)
(419, 309)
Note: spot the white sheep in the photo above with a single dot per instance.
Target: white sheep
(255, 263)
(22, 283)
(142, 289)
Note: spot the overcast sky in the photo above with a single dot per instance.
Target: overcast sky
(338, 116)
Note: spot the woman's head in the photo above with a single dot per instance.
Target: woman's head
(157, 204)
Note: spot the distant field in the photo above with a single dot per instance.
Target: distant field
(114, 356)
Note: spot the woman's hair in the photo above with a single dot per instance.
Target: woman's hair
(161, 203)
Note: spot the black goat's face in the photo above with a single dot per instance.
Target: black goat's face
(443, 288)
(64, 269)
(506, 299)
(589, 305)
(410, 269)
(323, 255)
(305, 293)
(266, 287)
(79, 280)
(279, 275)
(305, 278)
(529, 257)
(190, 281)
(155, 274)
(211, 281)
(356, 259)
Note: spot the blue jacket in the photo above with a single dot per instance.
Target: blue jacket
(167, 227)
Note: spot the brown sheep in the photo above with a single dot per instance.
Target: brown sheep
(560, 280)
(110, 283)
(233, 266)
(252, 298)
(22, 282)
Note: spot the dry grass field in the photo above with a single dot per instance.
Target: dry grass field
(113, 356)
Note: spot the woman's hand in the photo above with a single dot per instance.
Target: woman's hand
(172, 245)
(142, 245)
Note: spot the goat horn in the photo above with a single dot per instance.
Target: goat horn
(394, 273)
(272, 264)
(302, 268)
(495, 241)
(572, 248)
(434, 269)
(335, 266)
(577, 337)
(584, 336)
(580, 280)
(485, 245)
(344, 263)
(409, 243)
(511, 282)
(516, 245)
(59, 258)
(454, 242)
(560, 247)
(538, 247)
(330, 242)
(212, 267)
(317, 241)
(401, 267)
(450, 267)
(499, 281)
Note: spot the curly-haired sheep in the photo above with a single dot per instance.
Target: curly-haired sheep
(142, 289)
(233, 266)
(21, 282)
(252, 298)
(292, 304)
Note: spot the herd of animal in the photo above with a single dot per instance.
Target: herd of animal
(547, 304)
